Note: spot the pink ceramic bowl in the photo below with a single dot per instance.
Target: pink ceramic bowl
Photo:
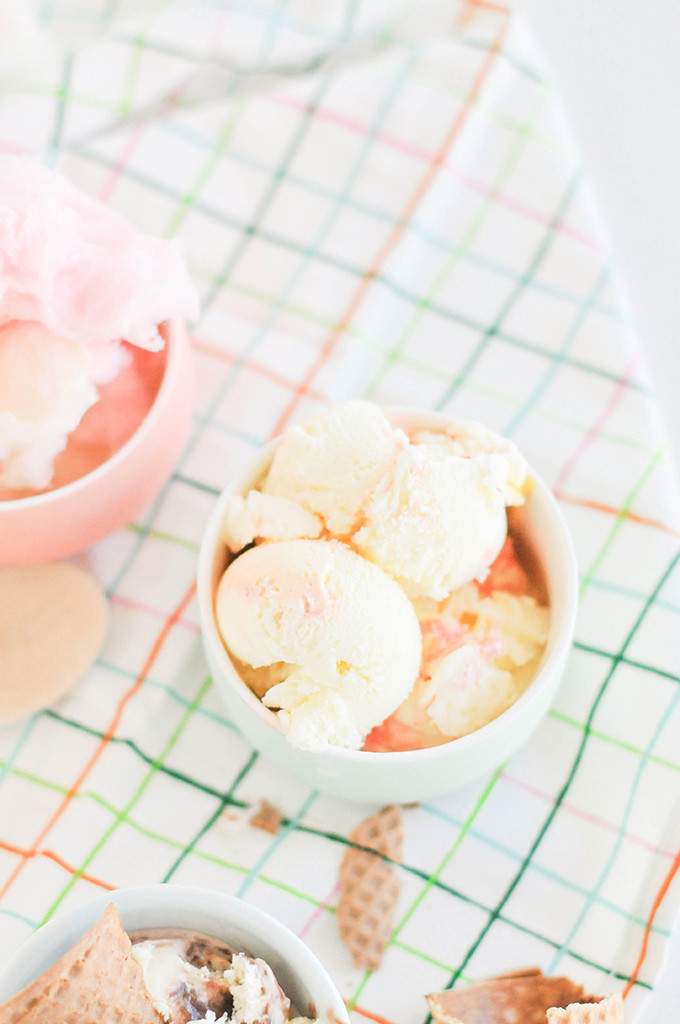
(64, 521)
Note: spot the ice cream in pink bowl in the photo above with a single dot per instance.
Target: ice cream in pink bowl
(387, 599)
(95, 367)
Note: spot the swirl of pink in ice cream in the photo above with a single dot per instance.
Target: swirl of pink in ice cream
(440, 636)
(308, 593)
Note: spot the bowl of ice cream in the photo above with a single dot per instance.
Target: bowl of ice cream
(114, 462)
(168, 953)
(387, 601)
(95, 367)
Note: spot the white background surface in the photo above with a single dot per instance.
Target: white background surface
(617, 64)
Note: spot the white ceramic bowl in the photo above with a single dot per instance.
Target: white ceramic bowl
(405, 776)
(248, 929)
(58, 523)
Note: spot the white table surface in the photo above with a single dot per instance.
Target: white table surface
(616, 63)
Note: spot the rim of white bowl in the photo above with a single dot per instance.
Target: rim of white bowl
(303, 963)
(174, 332)
(560, 636)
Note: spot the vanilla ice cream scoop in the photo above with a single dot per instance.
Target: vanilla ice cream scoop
(469, 439)
(331, 464)
(438, 520)
(346, 631)
(266, 517)
(45, 389)
(482, 674)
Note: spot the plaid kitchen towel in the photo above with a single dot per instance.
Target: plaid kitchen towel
(383, 200)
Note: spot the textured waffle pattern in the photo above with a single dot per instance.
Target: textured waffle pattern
(609, 1011)
(98, 981)
(516, 998)
(521, 998)
(382, 832)
(369, 887)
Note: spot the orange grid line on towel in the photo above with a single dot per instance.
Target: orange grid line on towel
(51, 855)
(259, 369)
(397, 231)
(172, 619)
(658, 900)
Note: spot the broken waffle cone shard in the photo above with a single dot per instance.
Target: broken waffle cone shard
(369, 887)
(524, 996)
(266, 817)
(382, 832)
(608, 1011)
(98, 981)
(366, 908)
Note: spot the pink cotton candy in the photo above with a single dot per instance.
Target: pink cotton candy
(76, 280)
(80, 268)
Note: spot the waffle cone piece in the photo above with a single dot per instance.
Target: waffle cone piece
(525, 996)
(369, 887)
(609, 1011)
(98, 981)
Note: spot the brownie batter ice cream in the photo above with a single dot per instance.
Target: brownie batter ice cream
(168, 976)
(194, 977)
(191, 976)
